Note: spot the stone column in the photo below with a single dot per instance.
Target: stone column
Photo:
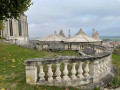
(31, 74)
(58, 72)
(41, 73)
(65, 72)
(73, 71)
(94, 70)
(86, 69)
(50, 73)
(80, 71)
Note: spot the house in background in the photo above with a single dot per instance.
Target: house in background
(15, 29)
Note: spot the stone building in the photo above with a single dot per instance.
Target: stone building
(61, 33)
(15, 29)
(59, 41)
(80, 39)
(54, 41)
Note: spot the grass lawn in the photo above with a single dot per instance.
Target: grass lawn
(116, 59)
(113, 39)
(12, 68)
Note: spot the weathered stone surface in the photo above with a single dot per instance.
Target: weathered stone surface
(89, 51)
(92, 70)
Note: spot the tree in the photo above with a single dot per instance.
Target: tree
(1, 25)
(12, 9)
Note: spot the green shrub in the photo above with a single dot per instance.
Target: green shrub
(2, 37)
(116, 51)
(96, 88)
(115, 82)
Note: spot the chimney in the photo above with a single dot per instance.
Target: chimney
(93, 34)
(68, 34)
(55, 32)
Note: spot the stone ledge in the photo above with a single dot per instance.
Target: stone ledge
(61, 59)
(102, 83)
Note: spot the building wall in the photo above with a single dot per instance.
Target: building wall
(64, 45)
(16, 29)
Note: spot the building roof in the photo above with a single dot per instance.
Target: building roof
(61, 33)
(81, 37)
(96, 36)
(53, 37)
(80, 32)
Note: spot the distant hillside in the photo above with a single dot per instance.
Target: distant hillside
(110, 38)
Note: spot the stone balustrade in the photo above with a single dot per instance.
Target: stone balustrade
(69, 70)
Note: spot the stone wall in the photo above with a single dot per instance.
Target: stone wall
(56, 45)
(28, 44)
(85, 70)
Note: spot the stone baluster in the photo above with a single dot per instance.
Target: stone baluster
(65, 72)
(80, 48)
(94, 70)
(80, 71)
(58, 72)
(101, 66)
(41, 74)
(73, 71)
(50, 73)
(106, 63)
(86, 69)
(109, 61)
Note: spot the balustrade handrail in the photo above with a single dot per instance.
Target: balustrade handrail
(62, 59)
(84, 69)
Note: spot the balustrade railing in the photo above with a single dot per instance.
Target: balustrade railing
(84, 70)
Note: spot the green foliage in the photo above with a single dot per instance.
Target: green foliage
(12, 68)
(116, 59)
(118, 47)
(115, 82)
(2, 37)
(13, 8)
(96, 88)
(1, 25)
(117, 51)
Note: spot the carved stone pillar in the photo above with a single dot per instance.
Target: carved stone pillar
(73, 71)
(94, 70)
(58, 72)
(98, 67)
(101, 66)
(41, 74)
(31, 74)
(86, 69)
(65, 72)
(106, 63)
(80, 71)
(50, 73)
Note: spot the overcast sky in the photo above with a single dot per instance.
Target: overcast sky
(46, 16)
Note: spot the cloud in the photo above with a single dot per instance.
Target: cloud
(46, 16)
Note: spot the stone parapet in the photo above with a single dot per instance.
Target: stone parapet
(69, 70)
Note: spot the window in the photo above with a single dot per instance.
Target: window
(11, 28)
(19, 28)
(0, 32)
